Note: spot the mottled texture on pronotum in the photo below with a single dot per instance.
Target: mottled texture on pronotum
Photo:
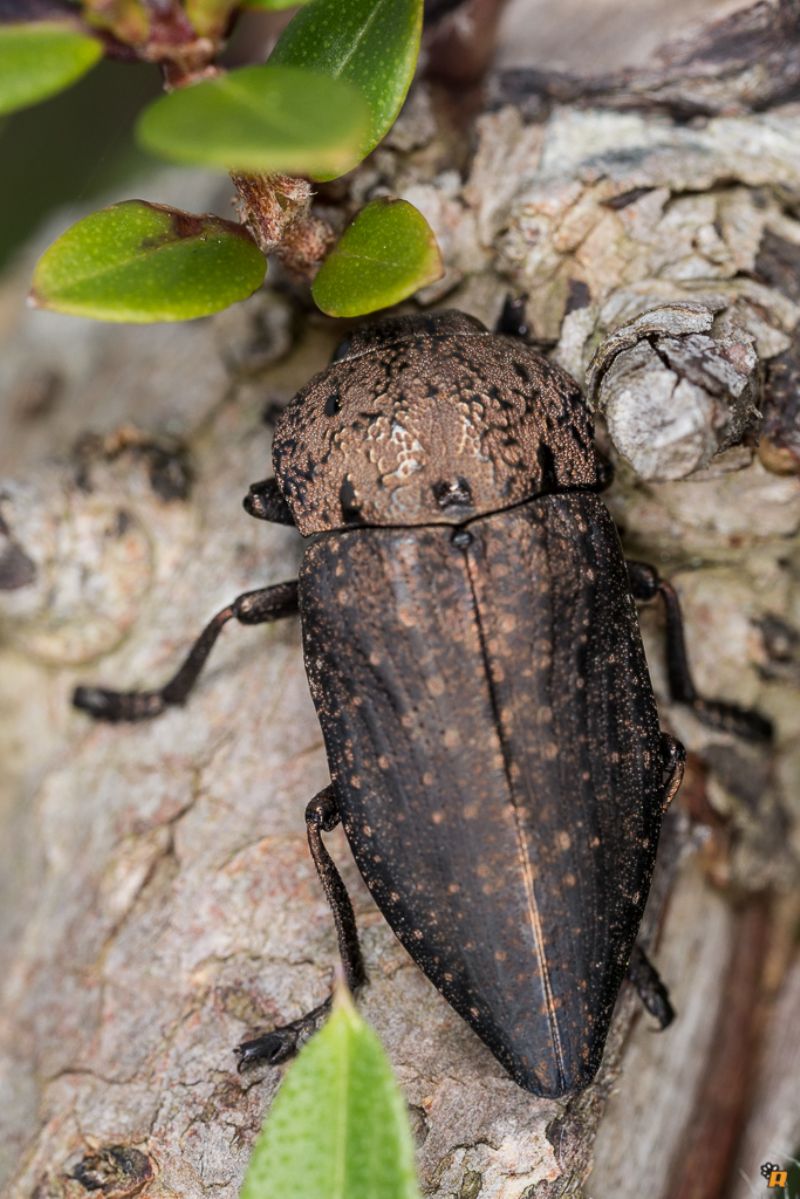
(473, 652)
(432, 421)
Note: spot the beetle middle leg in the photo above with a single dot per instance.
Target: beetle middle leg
(322, 815)
(641, 971)
(253, 607)
(647, 584)
(649, 987)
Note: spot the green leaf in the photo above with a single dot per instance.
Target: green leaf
(338, 1128)
(273, 5)
(209, 17)
(384, 256)
(373, 44)
(142, 262)
(259, 119)
(126, 20)
(38, 59)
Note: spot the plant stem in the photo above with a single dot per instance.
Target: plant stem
(277, 211)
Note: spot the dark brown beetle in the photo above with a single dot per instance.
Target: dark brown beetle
(473, 651)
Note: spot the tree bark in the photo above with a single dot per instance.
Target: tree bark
(158, 899)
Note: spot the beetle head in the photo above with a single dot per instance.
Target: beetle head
(430, 420)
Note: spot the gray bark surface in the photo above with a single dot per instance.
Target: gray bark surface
(158, 901)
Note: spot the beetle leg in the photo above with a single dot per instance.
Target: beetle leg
(253, 607)
(649, 987)
(265, 501)
(322, 815)
(647, 584)
(512, 321)
(674, 759)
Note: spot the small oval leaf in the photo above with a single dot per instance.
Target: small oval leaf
(259, 119)
(128, 21)
(38, 59)
(142, 262)
(273, 5)
(338, 1128)
(384, 256)
(208, 18)
(373, 44)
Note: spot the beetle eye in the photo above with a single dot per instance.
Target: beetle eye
(333, 404)
(453, 493)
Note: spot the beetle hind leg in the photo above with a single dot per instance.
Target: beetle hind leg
(649, 987)
(280, 1044)
(254, 607)
(647, 584)
(674, 759)
(322, 815)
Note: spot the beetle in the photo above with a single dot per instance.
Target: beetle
(473, 651)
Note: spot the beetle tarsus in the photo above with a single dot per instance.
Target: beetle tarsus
(252, 607)
(115, 706)
(273, 1048)
(649, 987)
(280, 1044)
(647, 584)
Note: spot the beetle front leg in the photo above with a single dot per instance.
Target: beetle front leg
(647, 584)
(322, 815)
(649, 987)
(253, 607)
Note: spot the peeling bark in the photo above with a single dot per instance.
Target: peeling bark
(747, 61)
(159, 903)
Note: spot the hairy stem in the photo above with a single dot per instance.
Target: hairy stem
(277, 211)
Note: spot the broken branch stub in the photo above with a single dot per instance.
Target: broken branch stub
(673, 392)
